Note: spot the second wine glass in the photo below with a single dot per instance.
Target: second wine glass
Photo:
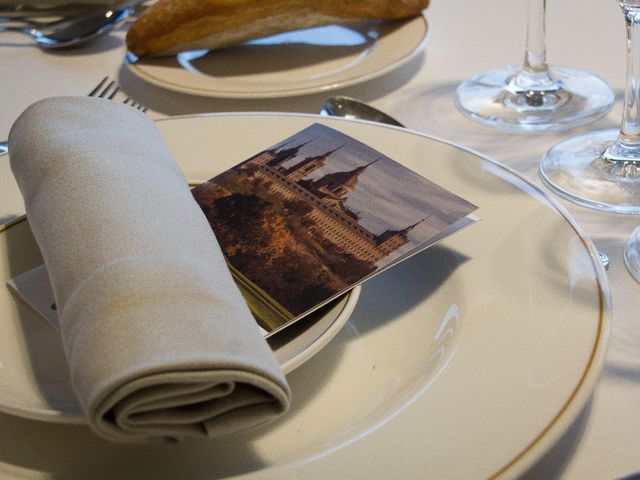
(601, 170)
(534, 98)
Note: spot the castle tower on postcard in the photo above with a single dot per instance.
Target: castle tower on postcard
(301, 169)
(327, 195)
(276, 156)
(390, 240)
(342, 227)
(334, 187)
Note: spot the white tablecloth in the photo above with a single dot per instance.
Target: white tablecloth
(465, 38)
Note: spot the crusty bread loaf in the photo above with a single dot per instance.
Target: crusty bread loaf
(171, 26)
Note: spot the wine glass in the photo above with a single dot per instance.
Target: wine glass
(601, 170)
(534, 98)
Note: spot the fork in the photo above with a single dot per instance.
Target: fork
(105, 89)
(108, 89)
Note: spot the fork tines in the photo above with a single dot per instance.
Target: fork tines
(109, 88)
(134, 104)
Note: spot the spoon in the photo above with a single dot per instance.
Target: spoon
(354, 109)
(71, 32)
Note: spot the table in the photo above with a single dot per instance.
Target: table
(465, 38)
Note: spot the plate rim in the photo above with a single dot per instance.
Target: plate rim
(580, 394)
(138, 70)
(583, 390)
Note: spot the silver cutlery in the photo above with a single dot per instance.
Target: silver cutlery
(105, 89)
(351, 108)
(65, 9)
(18, 10)
(109, 88)
(72, 31)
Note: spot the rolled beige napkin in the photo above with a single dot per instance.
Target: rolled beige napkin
(158, 339)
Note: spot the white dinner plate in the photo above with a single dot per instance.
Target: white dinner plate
(468, 360)
(294, 63)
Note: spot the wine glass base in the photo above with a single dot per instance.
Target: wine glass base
(572, 169)
(632, 255)
(581, 98)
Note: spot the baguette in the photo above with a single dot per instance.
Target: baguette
(171, 26)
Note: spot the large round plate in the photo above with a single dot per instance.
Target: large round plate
(468, 360)
(295, 63)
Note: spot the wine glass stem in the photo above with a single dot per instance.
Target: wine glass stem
(630, 128)
(622, 159)
(536, 52)
(534, 79)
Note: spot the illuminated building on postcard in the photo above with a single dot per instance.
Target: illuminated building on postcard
(326, 195)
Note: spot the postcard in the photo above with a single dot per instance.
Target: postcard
(307, 219)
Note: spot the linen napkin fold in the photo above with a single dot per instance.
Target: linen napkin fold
(158, 339)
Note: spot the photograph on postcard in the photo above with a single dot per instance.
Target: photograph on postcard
(316, 214)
